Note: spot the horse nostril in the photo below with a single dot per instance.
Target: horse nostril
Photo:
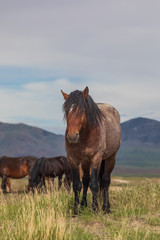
(73, 138)
(69, 137)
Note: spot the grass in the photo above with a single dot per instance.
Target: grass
(135, 213)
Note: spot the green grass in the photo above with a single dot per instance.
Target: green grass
(135, 213)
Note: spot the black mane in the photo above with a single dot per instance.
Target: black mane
(35, 170)
(76, 100)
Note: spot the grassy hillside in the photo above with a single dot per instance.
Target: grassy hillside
(135, 206)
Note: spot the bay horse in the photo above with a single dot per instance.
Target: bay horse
(51, 168)
(15, 167)
(92, 139)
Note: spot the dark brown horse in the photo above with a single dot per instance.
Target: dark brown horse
(92, 139)
(16, 168)
(51, 168)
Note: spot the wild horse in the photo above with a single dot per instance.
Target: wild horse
(50, 167)
(15, 167)
(92, 139)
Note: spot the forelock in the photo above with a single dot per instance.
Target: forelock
(76, 100)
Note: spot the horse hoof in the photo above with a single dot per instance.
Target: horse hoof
(95, 208)
(83, 204)
(107, 211)
(75, 214)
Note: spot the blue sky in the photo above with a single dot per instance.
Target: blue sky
(110, 46)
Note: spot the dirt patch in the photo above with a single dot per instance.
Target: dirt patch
(120, 181)
(116, 188)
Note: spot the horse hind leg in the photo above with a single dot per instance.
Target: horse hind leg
(105, 192)
(8, 183)
(67, 182)
(105, 182)
(3, 185)
(94, 188)
(50, 182)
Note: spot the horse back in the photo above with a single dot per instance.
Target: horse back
(52, 167)
(110, 130)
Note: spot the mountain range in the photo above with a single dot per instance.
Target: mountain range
(139, 153)
(140, 148)
(21, 140)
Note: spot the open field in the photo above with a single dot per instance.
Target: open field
(135, 213)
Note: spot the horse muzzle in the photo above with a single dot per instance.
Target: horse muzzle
(73, 138)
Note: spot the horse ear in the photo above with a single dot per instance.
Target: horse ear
(65, 95)
(85, 92)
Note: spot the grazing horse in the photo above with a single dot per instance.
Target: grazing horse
(92, 139)
(51, 168)
(16, 168)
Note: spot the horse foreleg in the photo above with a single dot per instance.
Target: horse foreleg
(3, 185)
(44, 183)
(94, 188)
(85, 181)
(59, 181)
(77, 185)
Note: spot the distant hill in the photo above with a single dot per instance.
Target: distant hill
(141, 130)
(140, 148)
(21, 140)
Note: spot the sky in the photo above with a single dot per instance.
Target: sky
(111, 46)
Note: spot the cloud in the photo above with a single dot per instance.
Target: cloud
(82, 38)
(36, 103)
(40, 103)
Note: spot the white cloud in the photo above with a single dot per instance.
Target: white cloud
(37, 103)
(82, 37)
(41, 102)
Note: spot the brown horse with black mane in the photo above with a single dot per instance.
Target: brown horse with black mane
(92, 139)
(16, 168)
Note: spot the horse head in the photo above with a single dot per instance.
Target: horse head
(75, 112)
(35, 177)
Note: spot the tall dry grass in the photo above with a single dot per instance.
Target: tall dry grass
(135, 206)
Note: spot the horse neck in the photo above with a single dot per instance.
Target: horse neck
(34, 173)
(87, 130)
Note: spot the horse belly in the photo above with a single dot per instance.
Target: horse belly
(58, 171)
(18, 172)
